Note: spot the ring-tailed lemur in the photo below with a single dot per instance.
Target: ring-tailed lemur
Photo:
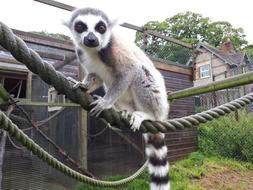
(132, 84)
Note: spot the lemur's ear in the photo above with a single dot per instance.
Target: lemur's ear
(65, 22)
(114, 22)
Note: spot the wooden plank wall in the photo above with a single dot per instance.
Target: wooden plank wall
(180, 143)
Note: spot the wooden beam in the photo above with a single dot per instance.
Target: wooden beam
(51, 55)
(29, 85)
(9, 60)
(42, 37)
(173, 68)
(44, 55)
(44, 40)
(83, 138)
(57, 4)
(83, 129)
(8, 68)
(238, 80)
(20, 75)
(62, 61)
(26, 102)
(126, 25)
(133, 27)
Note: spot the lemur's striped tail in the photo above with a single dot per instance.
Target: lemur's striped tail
(158, 166)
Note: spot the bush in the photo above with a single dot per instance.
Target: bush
(228, 137)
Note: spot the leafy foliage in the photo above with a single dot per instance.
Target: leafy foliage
(249, 50)
(191, 28)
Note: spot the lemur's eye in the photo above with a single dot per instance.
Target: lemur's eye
(80, 27)
(101, 27)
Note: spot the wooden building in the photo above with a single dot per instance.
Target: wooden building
(214, 64)
(87, 140)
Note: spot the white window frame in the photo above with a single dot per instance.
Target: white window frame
(205, 71)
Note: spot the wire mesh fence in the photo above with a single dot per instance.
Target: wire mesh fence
(229, 136)
(217, 98)
(101, 151)
(23, 170)
(160, 48)
(58, 132)
(109, 152)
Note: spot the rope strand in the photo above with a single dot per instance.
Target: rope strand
(52, 77)
(53, 162)
(48, 74)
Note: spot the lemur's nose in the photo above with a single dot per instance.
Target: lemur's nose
(91, 40)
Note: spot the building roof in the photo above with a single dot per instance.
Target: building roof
(231, 58)
(169, 62)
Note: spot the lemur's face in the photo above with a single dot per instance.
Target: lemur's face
(91, 31)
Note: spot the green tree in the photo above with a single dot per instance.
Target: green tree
(249, 50)
(218, 32)
(191, 28)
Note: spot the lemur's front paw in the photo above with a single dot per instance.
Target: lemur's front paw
(70, 79)
(78, 84)
(83, 86)
(135, 121)
(100, 105)
(125, 114)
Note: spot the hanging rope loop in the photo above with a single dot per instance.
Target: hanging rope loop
(48, 74)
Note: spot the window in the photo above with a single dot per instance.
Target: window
(205, 71)
(14, 83)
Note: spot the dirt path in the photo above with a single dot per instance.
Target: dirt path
(228, 180)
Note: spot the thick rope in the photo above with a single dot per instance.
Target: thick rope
(177, 123)
(53, 162)
(48, 74)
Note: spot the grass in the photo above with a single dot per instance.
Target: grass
(187, 174)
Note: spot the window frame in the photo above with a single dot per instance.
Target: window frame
(203, 71)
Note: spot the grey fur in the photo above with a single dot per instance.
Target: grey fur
(86, 11)
(106, 54)
(132, 84)
(79, 53)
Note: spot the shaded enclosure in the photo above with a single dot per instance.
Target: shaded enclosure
(89, 144)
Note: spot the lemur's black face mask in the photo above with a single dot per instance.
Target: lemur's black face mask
(90, 40)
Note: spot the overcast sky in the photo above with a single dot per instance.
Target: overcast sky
(28, 15)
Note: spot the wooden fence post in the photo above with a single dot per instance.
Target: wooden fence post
(83, 124)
